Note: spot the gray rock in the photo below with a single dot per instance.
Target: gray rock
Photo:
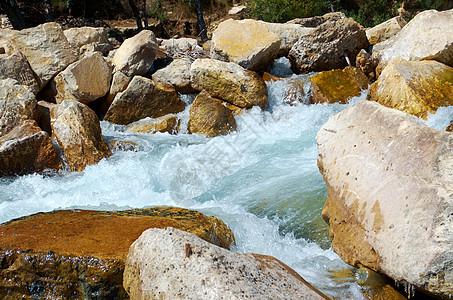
(89, 39)
(16, 66)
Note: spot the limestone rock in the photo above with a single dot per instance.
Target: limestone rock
(46, 49)
(385, 30)
(288, 33)
(210, 116)
(366, 63)
(182, 47)
(17, 103)
(15, 66)
(136, 55)
(415, 87)
(85, 80)
(143, 98)
(427, 36)
(119, 84)
(337, 85)
(229, 82)
(80, 254)
(247, 42)
(389, 184)
(89, 38)
(27, 149)
(172, 264)
(177, 74)
(77, 130)
(325, 48)
(318, 20)
(168, 124)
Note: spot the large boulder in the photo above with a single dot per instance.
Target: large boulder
(17, 103)
(170, 263)
(143, 98)
(389, 202)
(15, 66)
(427, 36)
(27, 149)
(119, 84)
(328, 45)
(415, 87)
(136, 55)
(89, 38)
(229, 82)
(80, 254)
(337, 85)
(247, 42)
(85, 80)
(177, 73)
(46, 49)
(385, 30)
(182, 47)
(77, 129)
(210, 116)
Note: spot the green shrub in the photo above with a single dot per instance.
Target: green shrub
(371, 13)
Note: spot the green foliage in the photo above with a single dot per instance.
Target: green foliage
(285, 10)
(157, 11)
(373, 12)
(431, 4)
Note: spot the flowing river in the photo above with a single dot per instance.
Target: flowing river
(262, 180)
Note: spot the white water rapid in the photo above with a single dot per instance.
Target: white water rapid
(261, 180)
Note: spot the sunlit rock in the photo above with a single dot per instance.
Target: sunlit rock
(85, 80)
(177, 74)
(17, 103)
(178, 264)
(168, 124)
(366, 63)
(337, 85)
(119, 84)
(136, 55)
(318, 20)
(429, 35)
(385, 30)
(328, 46)
(46, 49)
(229, 82)
(89, 39)
(76, 128)
(415, 87)
(15, 66)
(247, 42)
(210, 116)
(80, 254)
(143, 98)
(27, 149)
(182, 47)
(389, 197)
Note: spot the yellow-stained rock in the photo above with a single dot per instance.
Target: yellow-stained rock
(168, 124)
(271, 78)
(210, 116)
(415, 87)
(338, 85)
(80, 254)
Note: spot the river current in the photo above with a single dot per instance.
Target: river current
(261, 180)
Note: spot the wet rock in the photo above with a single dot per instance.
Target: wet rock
(247, 42)
(326, 47)
(389, 179)
(17, 103)
(366, 63)
(80, 254)
(429, 35)
(143, 98)
(15, 66)
(168, 124)
(229, 82)
(210, 116)
(450, 127)
(195, 269)
(337, 85)
(271, 78)
(119, 145)
(318, 20)
(46, 49)
(415, 87)
(89, 39)
(77, 130)
(85, 80)
(27, 149)
(177, 74)
(385, 30)
(136, 55)
(295, 91)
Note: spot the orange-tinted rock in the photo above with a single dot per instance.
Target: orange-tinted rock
(118, 145)
(450, 127)
(75, 254)
(270, 78)
(168, 124)
(338, 85)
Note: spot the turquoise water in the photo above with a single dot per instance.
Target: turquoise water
(261, 180)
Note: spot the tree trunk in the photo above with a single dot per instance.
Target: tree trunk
(200, 21)
(48, 9)
(145, 15)
(136, 14)
(12, 10)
